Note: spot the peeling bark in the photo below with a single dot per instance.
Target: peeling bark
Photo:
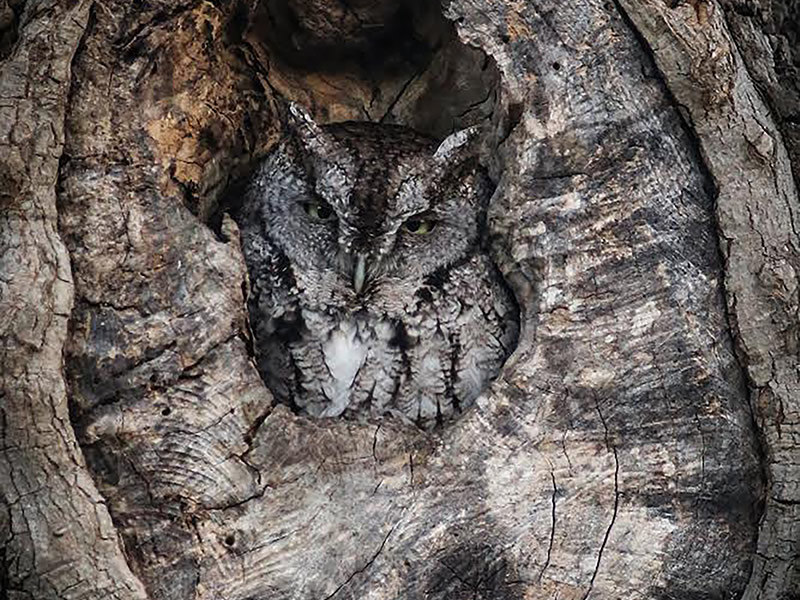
(638, 444)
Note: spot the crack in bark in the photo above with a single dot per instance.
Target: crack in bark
(399, 95)
(475, 105)
(365, 567)
(552, 526)
(612, 449)
(238, 503)
(375, 442)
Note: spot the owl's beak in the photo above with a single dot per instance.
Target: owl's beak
(360, 273)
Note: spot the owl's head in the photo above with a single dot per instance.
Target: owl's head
(366, 206)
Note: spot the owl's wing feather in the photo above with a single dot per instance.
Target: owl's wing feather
(280, 324)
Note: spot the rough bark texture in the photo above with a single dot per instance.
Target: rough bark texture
(727, 96)
(57, 537)
(640, 443)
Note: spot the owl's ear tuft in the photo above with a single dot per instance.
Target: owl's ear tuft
(457, 146)
(310, 134)
(300, 118)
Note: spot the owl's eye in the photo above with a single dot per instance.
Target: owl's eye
(419, 225)
(317, 209)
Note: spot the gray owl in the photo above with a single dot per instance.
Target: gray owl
(371, 287)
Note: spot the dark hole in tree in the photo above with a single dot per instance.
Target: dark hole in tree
(390, 61)
(10, 12)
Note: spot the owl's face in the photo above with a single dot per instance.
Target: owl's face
(363, 209)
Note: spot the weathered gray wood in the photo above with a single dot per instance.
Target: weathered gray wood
(615, 457)
(58, 540)
(164, 394)
(617, 231)
(757, 204)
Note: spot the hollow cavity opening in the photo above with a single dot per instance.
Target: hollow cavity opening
(329, 347)
(387, 61)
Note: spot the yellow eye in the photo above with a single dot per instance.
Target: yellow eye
(419, 225)
(318, 209)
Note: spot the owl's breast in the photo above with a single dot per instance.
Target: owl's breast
(347, 363)
(422, 349)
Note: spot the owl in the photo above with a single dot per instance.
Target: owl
(371, 287)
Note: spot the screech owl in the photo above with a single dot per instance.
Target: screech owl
(371, 287)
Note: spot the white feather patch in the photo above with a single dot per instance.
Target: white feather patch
(344, 354)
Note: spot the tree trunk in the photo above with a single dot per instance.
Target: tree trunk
(639, 443)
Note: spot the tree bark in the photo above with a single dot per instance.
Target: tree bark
(744, 145)
(639, 443)
(58, 538)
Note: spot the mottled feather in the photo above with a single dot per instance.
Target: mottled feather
(427, 324)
